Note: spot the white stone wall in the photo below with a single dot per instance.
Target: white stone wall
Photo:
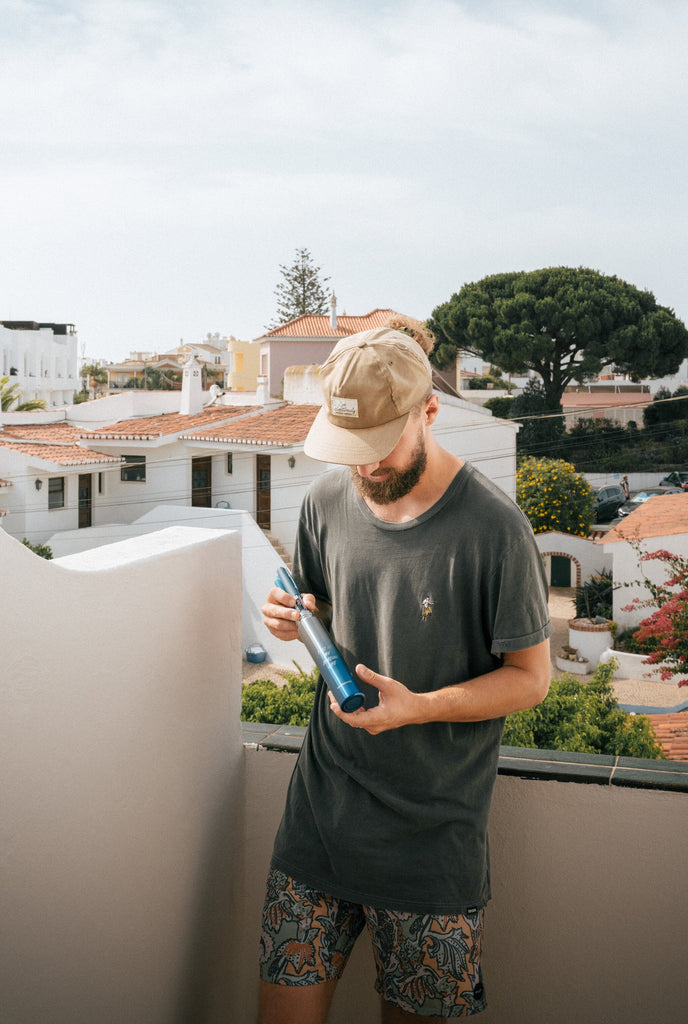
(587, 557)
(120, 756)
(259, 561)
(627, 571)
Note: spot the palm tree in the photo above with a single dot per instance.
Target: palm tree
(10, 393)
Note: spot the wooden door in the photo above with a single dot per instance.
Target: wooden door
(201, 482)
(263, 491)
(561, 571)
(85, 500)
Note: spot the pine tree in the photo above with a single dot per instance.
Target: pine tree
(301, 291)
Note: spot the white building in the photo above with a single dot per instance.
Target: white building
(115, 459)
(42, 359)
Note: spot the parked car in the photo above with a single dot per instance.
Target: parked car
(638, 499)
(608, 500)
(676, 479)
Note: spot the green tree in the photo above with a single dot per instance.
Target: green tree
(96, 375)
(301, 290)
(561, 323)
(662, 410)
(11, 394)
(584, 718)
(554, 497)
(541, 422)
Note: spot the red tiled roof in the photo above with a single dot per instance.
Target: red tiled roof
(52, 442)
(660, 516)
(48, 433)
(284, 426)
(671, 731)
(571, 400)
(59, 454)
(148, 428)
(310, 326)
(5, 483)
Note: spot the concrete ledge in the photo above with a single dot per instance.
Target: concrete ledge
(551, 765)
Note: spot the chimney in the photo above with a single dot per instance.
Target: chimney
(192, 388)
(333, 312)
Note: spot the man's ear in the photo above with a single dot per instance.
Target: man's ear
(432, 408)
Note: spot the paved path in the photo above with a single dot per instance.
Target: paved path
(628, 691)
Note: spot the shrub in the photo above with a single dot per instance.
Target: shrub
(554, 497)
(595, 596)
(290, 704)
(667, 626)
(583, 718)
(44, 550)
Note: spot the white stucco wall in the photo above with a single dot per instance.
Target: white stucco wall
(120, 757)
(588, 558)
(259, 559)
(627, 571)
(46, 363)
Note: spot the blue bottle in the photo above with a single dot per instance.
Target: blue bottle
(321, 649)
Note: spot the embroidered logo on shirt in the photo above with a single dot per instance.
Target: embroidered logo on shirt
(426, 608)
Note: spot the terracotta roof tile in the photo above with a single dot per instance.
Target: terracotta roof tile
(660, 516)
(5, 483)
(586, 400)
(310, 326)
(671, 731)
(53, 433)
(59, 454)
(284, 426)
(52, 442)
(148, 428)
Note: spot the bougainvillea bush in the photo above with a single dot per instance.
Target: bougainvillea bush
(554, 497)
(668, 623)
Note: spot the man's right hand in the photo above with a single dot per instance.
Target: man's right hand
(280, 614)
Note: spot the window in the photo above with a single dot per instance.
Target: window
(239, 365)
(229, 462)
(56, 492)
(134, 469)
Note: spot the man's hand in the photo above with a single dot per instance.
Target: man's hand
(280, 613)
(398, 705)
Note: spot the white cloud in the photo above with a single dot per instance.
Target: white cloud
(160, 160)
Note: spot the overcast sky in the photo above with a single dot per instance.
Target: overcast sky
(160, 160)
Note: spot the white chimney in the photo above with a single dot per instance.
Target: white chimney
(262, 396)
(333, 312)
(192, 388)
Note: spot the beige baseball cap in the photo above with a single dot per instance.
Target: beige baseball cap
(370, 383)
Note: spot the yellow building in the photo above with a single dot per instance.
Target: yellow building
(244, 365)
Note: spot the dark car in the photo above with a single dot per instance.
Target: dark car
(638, 499)
(677, 479)
(608, 500)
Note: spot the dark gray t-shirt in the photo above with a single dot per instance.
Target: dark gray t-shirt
(399, 820)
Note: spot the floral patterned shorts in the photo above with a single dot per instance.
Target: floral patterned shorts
(427, 964)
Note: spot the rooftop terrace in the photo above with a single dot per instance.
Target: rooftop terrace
(138, 819)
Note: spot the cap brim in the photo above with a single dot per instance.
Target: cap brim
(343, 446)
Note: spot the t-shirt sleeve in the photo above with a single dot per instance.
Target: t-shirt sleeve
(519, 598)
(307, 567)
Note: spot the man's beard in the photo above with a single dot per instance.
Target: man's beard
(398, 484)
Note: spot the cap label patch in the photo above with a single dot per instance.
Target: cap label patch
(345, 407)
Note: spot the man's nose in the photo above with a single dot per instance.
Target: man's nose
(368, 470)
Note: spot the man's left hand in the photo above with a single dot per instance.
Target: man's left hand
(397, 705)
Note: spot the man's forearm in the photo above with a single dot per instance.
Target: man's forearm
(521, 682)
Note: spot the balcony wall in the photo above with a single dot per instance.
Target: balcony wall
(136, 827)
